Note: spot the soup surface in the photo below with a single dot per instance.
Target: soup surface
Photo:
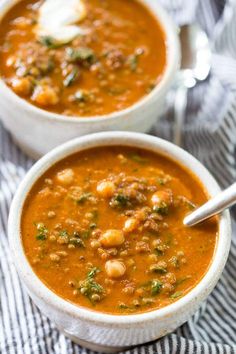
(103, 229)
(119, 60)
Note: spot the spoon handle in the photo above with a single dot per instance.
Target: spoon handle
(214, 206)
(180, 106)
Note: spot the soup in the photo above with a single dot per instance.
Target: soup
(118, 58)
(103, 229)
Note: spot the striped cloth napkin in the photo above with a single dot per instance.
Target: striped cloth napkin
(210, 135)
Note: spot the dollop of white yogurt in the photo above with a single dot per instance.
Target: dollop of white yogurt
(58, 19)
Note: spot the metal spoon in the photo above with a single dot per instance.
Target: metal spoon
(214, 206)
(195, 67)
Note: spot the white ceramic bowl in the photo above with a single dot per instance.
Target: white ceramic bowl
(103, 331)
(38, 131)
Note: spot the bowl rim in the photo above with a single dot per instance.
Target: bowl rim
(172, 65)
(163, 147)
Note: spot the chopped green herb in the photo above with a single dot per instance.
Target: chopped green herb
(133, 60)
(92, 226)
(71, 77)
(41, 237)
(138, 158)
(176, 295)
(156, 286)
(156, 268)
(93, 272)
(83, 197)
(82, 234)
(50, 43)
(42, 231)
(130, 308)
(89, 287)
(85, 234)
(174, 261)
(64, 233)
(159, 252)
(81, 55)
(76, 241)
(160, 249)
(161, 181)
(191, 205)
(182, 280)
(83, 96)
(119, 200)
(150, 87)
(80, 96)
(161, 209)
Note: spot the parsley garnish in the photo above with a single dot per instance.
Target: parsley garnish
(119, 200)
(89, 286)
(83, 197)
(138, 158)
(156, 286)
(176, 295)
(71, 77)
(50, 43)
(42, 232)
(81, 55)
(161, 209)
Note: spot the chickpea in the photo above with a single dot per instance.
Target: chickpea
(66, 176)
(21, 86)
(130, 225)
(112, 238)
(161, 197)
(115, 268)
(45, 95)
(106, 189)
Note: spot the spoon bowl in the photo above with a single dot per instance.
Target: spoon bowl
(195, 67)
(214, 206)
